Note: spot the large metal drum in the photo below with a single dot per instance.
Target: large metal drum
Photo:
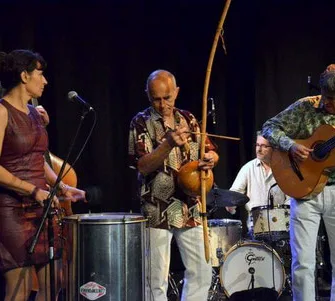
(105, 257)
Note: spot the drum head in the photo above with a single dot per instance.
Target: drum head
(246, 258)
(105, 218)
(223, 222)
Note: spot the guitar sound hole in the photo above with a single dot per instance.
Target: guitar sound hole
(319, 153)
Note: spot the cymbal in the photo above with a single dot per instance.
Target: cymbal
(225, 198)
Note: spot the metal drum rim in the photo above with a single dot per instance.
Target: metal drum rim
(225, 221)
(269, 207)
(83, 218)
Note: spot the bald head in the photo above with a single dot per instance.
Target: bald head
(162, 91)
(162, 76)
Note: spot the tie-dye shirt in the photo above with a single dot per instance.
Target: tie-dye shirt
(298, 121)
(163, 202)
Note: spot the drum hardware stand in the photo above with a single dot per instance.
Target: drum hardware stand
(252, 280)
(174, 287)
(219, 254)
(320, 283)
(48, 215)
(215, 292)
(288, 283)
(288, 286)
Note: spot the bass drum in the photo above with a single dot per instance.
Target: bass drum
(249, 257)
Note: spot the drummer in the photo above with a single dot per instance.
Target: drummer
(255, 179)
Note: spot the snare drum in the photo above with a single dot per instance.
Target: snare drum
(274, 220)
(236, 272)
(223, 234)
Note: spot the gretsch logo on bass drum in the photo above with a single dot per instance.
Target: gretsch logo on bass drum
(251, 258)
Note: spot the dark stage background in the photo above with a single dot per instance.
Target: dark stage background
(105, 50)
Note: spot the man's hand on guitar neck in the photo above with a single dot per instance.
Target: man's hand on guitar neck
(300, 152)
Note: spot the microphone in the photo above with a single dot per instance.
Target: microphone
(309, 83)
(73, 96)
(309, 80)
(213, 110)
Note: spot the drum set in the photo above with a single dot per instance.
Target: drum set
(263, 261)
(260, 261)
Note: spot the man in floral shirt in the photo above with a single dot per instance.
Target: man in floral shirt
(160, 142)
(299, 121)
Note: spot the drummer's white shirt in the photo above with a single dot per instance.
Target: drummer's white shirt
(253, 181)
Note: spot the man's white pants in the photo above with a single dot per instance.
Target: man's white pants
(304, 226)
(198, 273)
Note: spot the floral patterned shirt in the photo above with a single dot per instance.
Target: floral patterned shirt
(298, 121)
(163, 202)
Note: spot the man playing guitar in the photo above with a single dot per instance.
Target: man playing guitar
(307, 117)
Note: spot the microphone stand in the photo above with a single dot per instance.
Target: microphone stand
(47, 214)
(271, 199)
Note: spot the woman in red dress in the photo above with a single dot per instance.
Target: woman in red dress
(24, 177)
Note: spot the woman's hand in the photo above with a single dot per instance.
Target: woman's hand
(73, 194)
(40, 195)
(44, 115)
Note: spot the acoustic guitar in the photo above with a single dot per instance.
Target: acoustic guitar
(304, 180)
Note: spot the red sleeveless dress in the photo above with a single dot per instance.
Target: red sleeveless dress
(24, 144)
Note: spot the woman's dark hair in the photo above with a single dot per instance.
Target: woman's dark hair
(14, 63)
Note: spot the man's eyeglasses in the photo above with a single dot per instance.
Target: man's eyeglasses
(262, 146)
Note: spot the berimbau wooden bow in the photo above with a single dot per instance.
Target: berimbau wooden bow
(204, 124)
